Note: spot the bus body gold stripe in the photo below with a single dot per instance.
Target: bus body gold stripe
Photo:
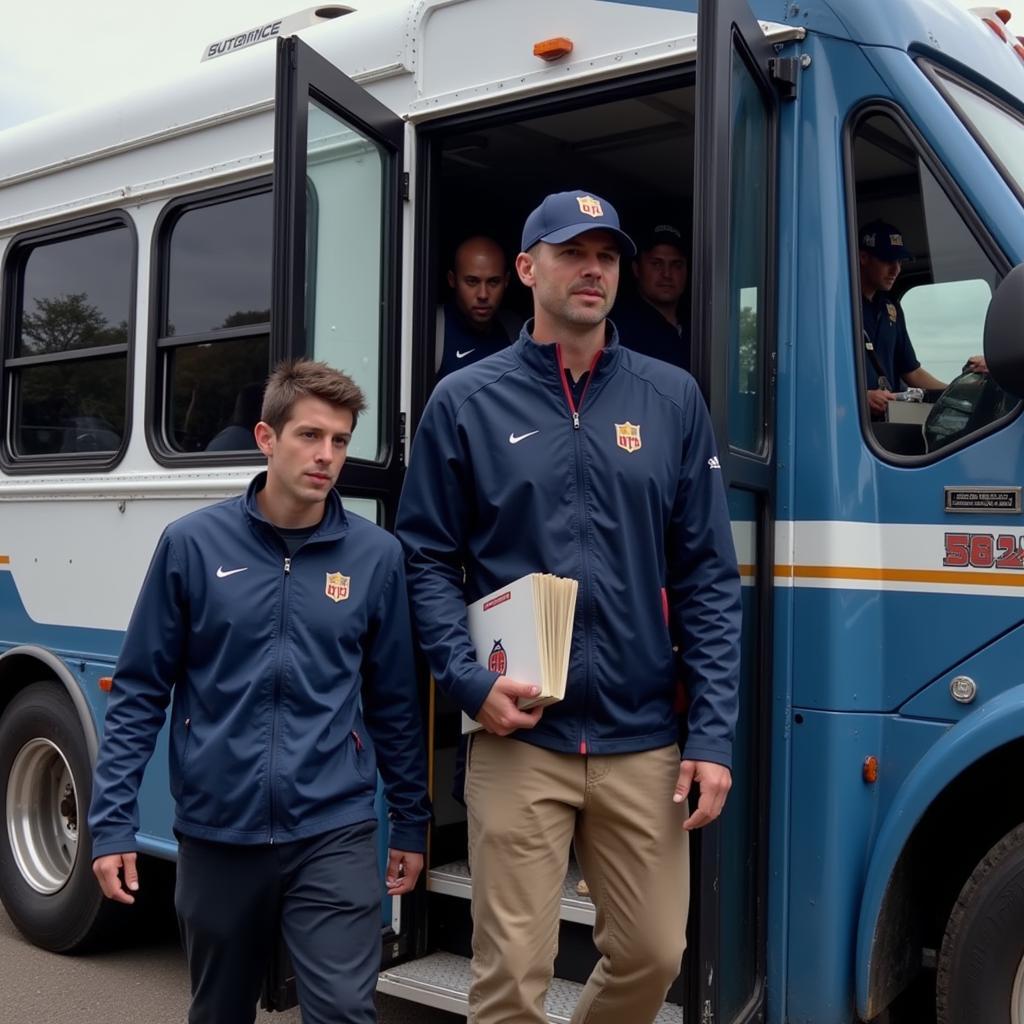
(958, 577)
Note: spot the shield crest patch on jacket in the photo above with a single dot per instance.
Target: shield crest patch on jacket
(337, 586)
(627, 435)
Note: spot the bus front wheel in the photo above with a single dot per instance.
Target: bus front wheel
(46, 880)
(981, 963)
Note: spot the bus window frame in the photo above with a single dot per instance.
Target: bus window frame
(979, 232)
(938, 74)
(12, 276)
(158, 344)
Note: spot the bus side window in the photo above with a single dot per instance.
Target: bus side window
(66, 356)
(213, 326)
(923, 288)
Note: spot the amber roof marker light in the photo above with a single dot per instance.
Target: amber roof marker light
(552, 49)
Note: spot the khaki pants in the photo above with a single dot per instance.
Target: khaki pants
(526, 806)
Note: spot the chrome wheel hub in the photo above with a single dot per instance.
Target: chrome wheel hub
(42, 816)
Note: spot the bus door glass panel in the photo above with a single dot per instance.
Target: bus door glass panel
(941, 295)
(335, 285)
(733, 309)
(344, 173)
(746, 388)
(747, 261)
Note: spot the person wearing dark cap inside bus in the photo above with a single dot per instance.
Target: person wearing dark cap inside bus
(570, 454)
(656, 321)
(890, 363)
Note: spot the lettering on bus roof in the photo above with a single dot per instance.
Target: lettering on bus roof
(255, 35)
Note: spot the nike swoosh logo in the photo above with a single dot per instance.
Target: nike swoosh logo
(222, 572)
(462, 355)
(513, 439)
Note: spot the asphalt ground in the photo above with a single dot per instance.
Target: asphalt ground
(138, 978)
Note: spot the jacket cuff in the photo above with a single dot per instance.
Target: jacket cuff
(471, 690)
(408, 837)
(116, 844)
(698, 748)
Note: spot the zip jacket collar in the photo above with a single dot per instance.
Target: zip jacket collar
(543, 360)
(333, 525)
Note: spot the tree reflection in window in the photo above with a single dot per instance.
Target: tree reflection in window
(67, 363)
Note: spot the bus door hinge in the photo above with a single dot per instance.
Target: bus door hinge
(401, 439)
(783, 71)
(708, 1016)
(405, 184)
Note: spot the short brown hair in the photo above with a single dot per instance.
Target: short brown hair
(302, 378)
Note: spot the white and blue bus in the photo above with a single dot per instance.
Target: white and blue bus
(299, 193)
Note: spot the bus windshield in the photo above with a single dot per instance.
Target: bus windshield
(999, 128)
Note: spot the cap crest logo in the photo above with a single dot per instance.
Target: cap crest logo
(337, 586)
(869, 240)
(896, 240)
(590, 206)
(627, 436)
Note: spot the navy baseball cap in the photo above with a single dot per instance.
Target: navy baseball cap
(884, 241)
(662, 234)
(564, 215)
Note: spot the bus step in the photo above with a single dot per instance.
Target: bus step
(453, 880)
(441, 980)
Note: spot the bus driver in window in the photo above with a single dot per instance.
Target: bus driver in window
(890, 364)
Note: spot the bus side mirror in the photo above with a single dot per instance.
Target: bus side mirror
(1004, 333)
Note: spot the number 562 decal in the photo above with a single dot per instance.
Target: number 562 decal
(984, 551)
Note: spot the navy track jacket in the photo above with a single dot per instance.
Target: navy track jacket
(267, 660)
(627, 498)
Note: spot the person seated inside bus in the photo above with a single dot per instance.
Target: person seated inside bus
(238, 435)
(890, 364)
(472, 324)
(656, 320)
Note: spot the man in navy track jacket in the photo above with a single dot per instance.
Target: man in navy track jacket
(279, 623)
(569, 454)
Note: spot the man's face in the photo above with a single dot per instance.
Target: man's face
(478, 281)
(573, 282)
(661, 274)
(305, 458)
(878, 275)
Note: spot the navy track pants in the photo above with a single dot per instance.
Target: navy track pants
(323, 894)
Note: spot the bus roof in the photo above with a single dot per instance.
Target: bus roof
(382, 45)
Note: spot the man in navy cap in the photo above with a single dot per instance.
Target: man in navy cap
(655, 320)
(891, 364)
(569, 454)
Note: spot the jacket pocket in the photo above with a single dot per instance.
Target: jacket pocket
(362, 755)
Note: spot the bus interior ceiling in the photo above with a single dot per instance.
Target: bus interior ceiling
(636, 152)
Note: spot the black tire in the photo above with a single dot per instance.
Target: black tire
(41, 738)
(981, 965)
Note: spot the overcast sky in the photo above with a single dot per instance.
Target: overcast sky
(57, 53)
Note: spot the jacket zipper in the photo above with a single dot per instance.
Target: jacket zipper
(574, 409)
(277, 693)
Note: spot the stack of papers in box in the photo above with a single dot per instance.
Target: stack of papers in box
(524, 631)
